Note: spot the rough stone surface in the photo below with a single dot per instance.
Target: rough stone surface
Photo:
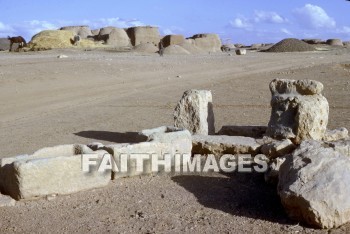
(241, 51)
(33, 178)
(219, 145)
(247, 131)
(278, 148)
(314, 186)
(173, 40)
(6, 201)
(4, 44)
(175, 49)
(180, 140)
(194, 112)
(299, 111)
(336, 134)
(341, 146)
(207, 42)
(144, 34)
(139, 149)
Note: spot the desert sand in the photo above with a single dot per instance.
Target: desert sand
(99, 95)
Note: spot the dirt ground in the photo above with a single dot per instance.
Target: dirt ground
(99, 95)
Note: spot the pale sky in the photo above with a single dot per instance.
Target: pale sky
(236, 21)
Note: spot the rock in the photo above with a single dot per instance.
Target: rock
(118, 38)
(180, 140)
(106, 30)
(140, 149)
(82, 31)
(346, 43)
(172, 40)
(33, 178)
(5, 44)
(50, 170)
(207, 42)
(334, 42)
(143, 34)
(336, 134)
(256, 46)
(241, 51)
(6, 201)
(62, 56)
(194, 112)
(146, 48)
(341, 146)
(219, 145)
(272, 173)
(95, 32)
(278, 148)
(299, 111)
(247, 131)
(314, 186)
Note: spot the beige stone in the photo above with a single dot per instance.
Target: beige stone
(299, 111)
(172, 40)
(6, 201)
(278, 148)
(314, 186)
(241, 51)
(194, 112)
(207, 42)
(336, 134)
(219, 145)
(143, 34)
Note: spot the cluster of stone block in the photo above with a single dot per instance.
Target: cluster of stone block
(297, 144)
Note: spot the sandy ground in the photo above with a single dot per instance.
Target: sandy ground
(99, 95)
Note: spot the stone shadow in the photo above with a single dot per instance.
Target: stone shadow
(241, 194)
(116, 137)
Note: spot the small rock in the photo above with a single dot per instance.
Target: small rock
(336, 134)
(241, 52)
(62, 56)
(278, 148)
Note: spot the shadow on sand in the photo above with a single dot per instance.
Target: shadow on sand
(116, 137)
(241, 194)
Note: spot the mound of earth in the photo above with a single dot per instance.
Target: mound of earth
(291, 45)
(146, 48)
(191, 48)
(175, 49)
(51, 39)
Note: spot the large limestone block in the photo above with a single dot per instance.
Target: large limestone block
(179, 139)
(131, 153)
(172, 40)
(194, 112)
(278, 148)
(299, 111)
(33, 178)
(314, 185)
(208, 42)
(247, 131)
(219, 145)
(143, 34)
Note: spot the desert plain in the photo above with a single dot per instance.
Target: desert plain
(100, 95)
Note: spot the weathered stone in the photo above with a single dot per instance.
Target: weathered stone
(278, 148)
(247, 131)
(172, 40)
(228, 47)
(241, 51)
(180, 140)
(33, 178)
(314, 185)
(194, 112)
(336, 134)
(341, 146)
(219, 145)
(299, 111)
(207, 42)
(271, 175)
(95, 145)
(6, 201)
(139, 150)
(144, 34)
